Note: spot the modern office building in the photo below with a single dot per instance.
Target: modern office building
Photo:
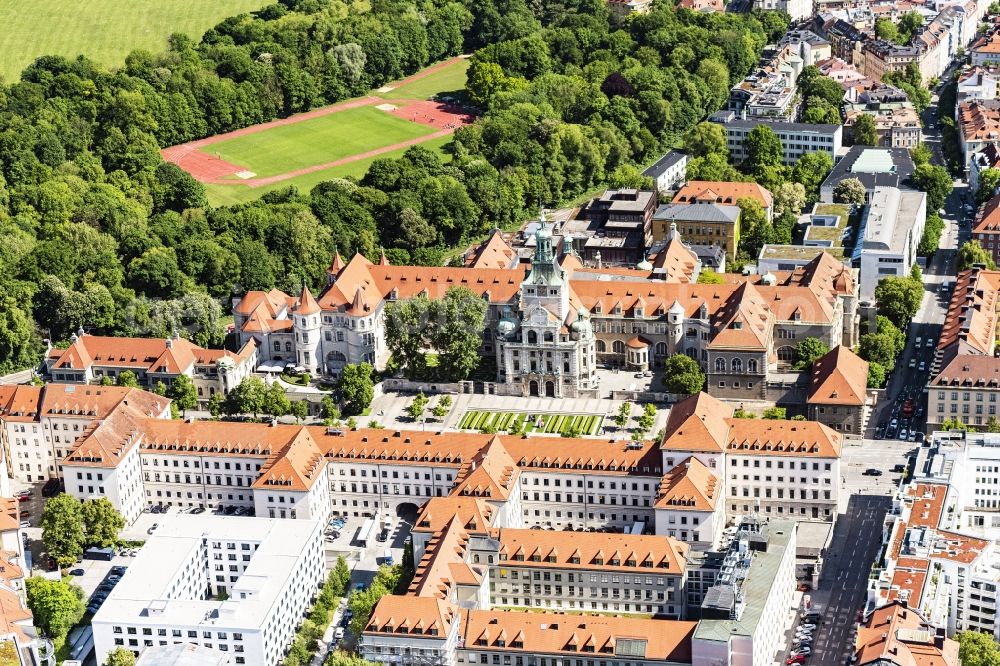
(797, 139)
(241, 586)
(892, 225)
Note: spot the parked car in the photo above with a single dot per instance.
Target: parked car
(359, 587)
(338, 633)
(25, 513)
(25, 524)
(871, 471)
(810, 627)
(152, 528)
(795, 659)
(76, 572)
(198, 509)
(119, 570)
(802, 650)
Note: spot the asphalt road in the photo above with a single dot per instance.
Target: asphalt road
(845, 578)
(906, 381)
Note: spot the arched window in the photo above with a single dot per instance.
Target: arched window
(601, 347)
(288, 346)
(786, 354)
(532, 338)
(548, 336)
(737, 365)
(618, 347)
(692, 352)
(660, 349)
(752, 366)
(720, 365)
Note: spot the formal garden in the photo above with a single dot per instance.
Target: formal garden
(525, 422)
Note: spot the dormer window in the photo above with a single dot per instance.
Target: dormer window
(738, 325)
(597, 309)
(617, 310)
(639, 312)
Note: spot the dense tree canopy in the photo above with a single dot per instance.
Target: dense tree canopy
(99, 232)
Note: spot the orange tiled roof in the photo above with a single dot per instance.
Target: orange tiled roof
(20, 403)
(587, 550)
(689, 486)
(697, 423)
(558, 633)
(475, 515)
(972, 311)
(306, 305)
(723, 192)
(839, 377)
(926, 502)
(396, 614)
(156, 355)
(979, 120)
(491, 473)
(494, 253)
(779, 438)
(897, 634)
(97, 402)
(434, 572)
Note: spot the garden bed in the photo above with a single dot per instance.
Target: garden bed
(525, 422)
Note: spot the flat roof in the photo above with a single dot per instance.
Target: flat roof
(147, 585)
(889, 218)
(874, 160)
(760, 580)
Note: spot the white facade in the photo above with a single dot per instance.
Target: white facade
(267, 570)
(893, 226)
(121, 484)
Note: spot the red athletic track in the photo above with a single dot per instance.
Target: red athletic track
(207, 168)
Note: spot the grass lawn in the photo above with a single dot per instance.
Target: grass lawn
(103, 30)
(317, 140)
(226, 195)
(513, 422)
(445, 81)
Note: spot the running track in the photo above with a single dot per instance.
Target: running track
(208, 169)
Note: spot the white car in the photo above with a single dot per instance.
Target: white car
(338, 633)
(807, 627)
(25, 524)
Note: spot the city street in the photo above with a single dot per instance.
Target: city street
(907, 381)
(845, 578)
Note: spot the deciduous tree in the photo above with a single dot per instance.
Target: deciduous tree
(356, 388)
(808, 351)
(683, 375)
(183, 392)
(101, 521)
(55, 606)
(849, 190)
(864, 131)
(972, 252)
(62, 529)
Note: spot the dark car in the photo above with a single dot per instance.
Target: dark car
(230, 510)
(119, 570)
(198, 509)
(871, 471)
(76, 572)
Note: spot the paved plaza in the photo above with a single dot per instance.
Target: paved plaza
(390, 411)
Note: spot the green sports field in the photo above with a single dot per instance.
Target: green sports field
(317, 140)
(103, 30)
(445, 81)
(226, 195)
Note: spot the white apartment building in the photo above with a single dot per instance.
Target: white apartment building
(40, 424)
(892, 224)
(941, 554)
(237, 585)
(797, 139)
